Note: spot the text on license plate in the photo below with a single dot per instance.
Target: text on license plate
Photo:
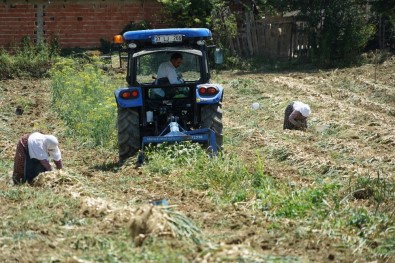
(167, 38)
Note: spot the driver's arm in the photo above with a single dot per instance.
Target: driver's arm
(173, 77)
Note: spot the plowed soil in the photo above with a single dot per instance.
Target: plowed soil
(355, 105)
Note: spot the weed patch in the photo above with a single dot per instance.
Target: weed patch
(83, 97)
(27, 60)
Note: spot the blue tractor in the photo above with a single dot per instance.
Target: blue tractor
(151, 110)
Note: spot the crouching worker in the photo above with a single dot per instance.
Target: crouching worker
(295, 117)
(32, 156)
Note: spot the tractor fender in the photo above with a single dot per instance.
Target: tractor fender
(129, 101)
(209, 99)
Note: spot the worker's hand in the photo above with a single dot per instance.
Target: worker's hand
(301, 125)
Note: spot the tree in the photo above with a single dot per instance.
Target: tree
(224, 24)
(338, 29)
(187, 13)
(384, 17)
(213, 14)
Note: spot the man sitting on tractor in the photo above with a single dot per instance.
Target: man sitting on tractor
(167, 73)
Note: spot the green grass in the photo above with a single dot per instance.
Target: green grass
(224, 176)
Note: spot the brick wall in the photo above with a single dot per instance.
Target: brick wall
(16, 21)
(74, 24)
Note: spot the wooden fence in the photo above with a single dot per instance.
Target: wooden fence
(276, 37)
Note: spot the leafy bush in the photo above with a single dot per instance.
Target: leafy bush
(7, 65)
(27, 59)
(344, 34)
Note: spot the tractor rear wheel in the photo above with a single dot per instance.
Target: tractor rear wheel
(211, 117)
(128, 133)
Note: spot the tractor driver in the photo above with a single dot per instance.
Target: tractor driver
(167, 73)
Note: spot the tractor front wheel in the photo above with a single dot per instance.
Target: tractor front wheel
(128, 133)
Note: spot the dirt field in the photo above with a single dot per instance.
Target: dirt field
(350, 135)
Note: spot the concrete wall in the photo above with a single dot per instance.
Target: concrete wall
(73, 23)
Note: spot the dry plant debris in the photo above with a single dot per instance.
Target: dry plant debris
(350, 137)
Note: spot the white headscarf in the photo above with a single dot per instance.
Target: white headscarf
(42, 146)
(303, 108)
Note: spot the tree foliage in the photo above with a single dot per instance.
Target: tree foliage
(187, 13)
(384, 17)
(214, 14)
(224, 23)
(385, 8)
(339, 29)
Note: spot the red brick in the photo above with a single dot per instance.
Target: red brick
(97, 20)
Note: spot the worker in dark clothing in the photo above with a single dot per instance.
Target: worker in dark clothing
(295, 117)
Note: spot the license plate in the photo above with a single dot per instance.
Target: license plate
(167, 38)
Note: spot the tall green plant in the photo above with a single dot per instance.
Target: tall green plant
(84, 101)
